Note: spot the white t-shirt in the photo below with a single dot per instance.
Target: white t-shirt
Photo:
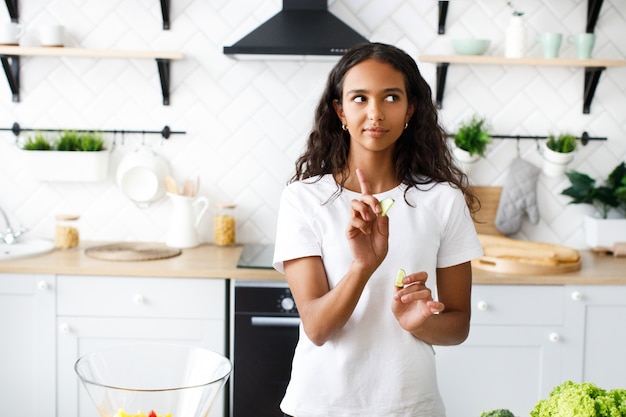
(371, 367)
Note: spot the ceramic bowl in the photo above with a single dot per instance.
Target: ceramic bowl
(470, 46)
(141, 176)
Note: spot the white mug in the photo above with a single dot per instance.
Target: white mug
(52, 35)
(10, 33)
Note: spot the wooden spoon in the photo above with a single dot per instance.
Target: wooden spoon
(188, 188)
(170, 185)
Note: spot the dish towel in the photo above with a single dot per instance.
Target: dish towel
(519, 197)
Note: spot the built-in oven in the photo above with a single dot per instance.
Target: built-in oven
(264, 333)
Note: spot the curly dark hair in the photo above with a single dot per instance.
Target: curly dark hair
(421, 154)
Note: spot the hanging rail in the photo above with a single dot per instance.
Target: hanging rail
(166, 132)
(584, 138)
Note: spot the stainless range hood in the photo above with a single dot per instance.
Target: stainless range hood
(302, 27)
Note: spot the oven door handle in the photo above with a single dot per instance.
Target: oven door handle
(264, 321)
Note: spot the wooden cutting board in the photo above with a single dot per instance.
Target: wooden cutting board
(484, 219)
(514, 256)
(508, 266)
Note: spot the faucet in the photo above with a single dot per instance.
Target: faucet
(9, 237)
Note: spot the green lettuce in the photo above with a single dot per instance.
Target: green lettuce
(584, 399)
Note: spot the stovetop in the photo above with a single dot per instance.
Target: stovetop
(256, 255)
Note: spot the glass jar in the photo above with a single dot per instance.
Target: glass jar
(67, 234)
(224, 224)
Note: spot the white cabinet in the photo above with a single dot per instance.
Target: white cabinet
(599, 314)
(27, 351)
(512, 357)
(98, 312)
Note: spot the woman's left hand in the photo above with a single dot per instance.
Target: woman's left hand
(414, 303)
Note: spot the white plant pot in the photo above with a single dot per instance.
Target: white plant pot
(464, 156)
(68, 166)
(465, 159)
(555, 163)
(604, 232)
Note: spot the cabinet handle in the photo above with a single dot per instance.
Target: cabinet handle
(554, 337)
(64, 328)
(482, 305)
(577, 296)
(138, 299)
(42, 285)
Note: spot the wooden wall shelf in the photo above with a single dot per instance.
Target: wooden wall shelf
(527, 61)
(10, 57)
(12, 7)
(593, 69)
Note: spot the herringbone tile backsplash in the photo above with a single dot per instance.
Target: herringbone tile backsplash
(246, 121)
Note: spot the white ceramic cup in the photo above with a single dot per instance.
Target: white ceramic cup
(52, 35)
(10, 33)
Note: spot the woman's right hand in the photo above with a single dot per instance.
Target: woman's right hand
(368, 231)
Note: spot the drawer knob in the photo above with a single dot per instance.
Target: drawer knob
(64, 328)
(482, 305)
(138, 299)
(42, 285)
(554, 337)
(577, 296)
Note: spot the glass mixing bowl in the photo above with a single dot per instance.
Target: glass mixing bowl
(153, 380)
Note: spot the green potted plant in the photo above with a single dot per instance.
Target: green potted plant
(471, 140)
(558, 152)
(609, 200)
(74, 156)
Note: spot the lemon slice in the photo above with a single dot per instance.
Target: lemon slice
(385, 205)
(399, 278)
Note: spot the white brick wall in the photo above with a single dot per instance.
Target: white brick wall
(246, 121)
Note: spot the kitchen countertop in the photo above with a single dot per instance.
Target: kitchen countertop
(209, 261)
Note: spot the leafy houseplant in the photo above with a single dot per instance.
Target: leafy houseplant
(607, 198)
(80, 142)
(38, 143)
(612, 194)
(67, 141)
(564, 143)
(72, 156)
(558, 151)
(473, 136)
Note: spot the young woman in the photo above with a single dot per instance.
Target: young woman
(365, 345)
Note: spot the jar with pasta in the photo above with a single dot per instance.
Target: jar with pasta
(67, 234)
(224, 224)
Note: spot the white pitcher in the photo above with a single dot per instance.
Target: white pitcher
(186, 215)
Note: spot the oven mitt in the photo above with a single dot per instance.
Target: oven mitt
(519, 197)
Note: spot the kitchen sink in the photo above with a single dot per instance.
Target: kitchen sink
(25, 248)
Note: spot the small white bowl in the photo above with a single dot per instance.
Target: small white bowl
(470, 46)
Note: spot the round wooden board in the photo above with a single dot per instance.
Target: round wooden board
(130, 251)
(508, 266)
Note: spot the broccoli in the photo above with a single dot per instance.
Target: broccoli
(583, 399)
(502, 412)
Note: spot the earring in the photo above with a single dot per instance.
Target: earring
(344, 127)
(406, 125)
